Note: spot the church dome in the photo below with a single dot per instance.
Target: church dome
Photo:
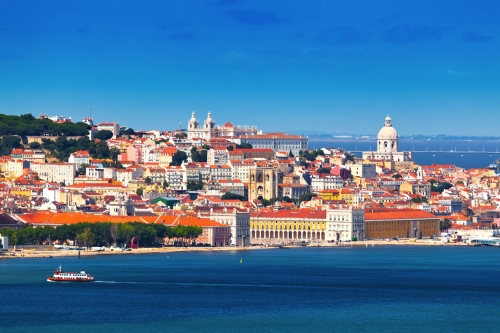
(387, 132)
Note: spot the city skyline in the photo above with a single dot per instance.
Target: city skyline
(275, 65)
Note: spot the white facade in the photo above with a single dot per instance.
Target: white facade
(238, 220)
(345, 224)
(325, 182)
(15, 168)
(240, 169)
(276, 141)
(363, 170)
(388, 145)
(4, 243)
(79, 158)
(94, 172)
(217, 156)
(206, 132)
(218, 172)
(110, 126)
(55, 172)
(175, 177)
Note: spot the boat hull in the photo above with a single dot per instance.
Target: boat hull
(68, 280)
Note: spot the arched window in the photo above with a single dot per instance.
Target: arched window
(385, 144)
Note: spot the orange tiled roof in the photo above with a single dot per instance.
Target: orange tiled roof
(397, 214)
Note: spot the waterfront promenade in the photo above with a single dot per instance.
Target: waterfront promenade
(47, 252)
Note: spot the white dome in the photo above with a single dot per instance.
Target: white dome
(388, 133)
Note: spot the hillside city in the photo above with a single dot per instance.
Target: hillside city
(226, 185)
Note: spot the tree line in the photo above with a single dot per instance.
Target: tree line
(104, 234)
(26, 124)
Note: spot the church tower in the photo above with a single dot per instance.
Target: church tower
(209, 127)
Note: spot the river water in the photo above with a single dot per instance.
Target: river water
(442, 156)
(379, 289)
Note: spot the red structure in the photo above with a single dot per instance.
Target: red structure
(134, 243)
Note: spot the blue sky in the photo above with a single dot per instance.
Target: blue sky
(325, 66)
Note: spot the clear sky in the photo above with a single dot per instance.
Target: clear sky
(299, 66)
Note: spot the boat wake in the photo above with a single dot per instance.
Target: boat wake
(208, 284)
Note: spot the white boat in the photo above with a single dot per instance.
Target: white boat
(60, 276)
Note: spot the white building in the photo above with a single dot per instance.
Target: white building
(4, 243)
(230, 130)
(217, 156)
(275, 141)
(237, 219)
(218, 172)
(207, 132)
(15, 168)
(345, 224)
(94, 172)
(387, 145)
(175, 177)
(55, 172)
(363, 170)
(240, 169)
(79, 158)
(322, 182)
(110, 126)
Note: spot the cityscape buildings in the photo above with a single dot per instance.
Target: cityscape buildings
(242, 186)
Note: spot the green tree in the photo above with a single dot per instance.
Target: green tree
(265, 202)
(86, 238)
(444, 224)
(324, 170)
(233, 196)
(11, 233)
(230, 148)
(25, 236)
(306, 197)
(139, 191)
(290, 154)
(35, 145)
(9, 142)
(82, 169)
(310, 156)
(178, 158)
(101, 150)
(126, 231)
(396, 176)
(244, 146)
(194, 186)
(147, 180)
(128, 131)
(104, 135)
(181, 135)
(113, 232)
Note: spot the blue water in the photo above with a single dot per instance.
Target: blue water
(380, 289)
(466, 161)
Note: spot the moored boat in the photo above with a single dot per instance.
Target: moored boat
(60, 276)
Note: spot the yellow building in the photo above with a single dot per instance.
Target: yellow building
(329, 195)
(287, 225)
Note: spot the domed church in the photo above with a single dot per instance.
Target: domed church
(387, 145)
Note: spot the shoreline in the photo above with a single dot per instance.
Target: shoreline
(35, 253)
